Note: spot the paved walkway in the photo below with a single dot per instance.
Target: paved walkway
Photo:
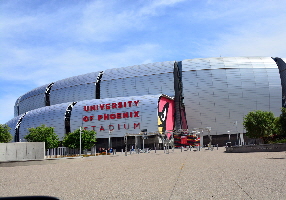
(178, 175)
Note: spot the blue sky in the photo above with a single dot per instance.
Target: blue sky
(45, 41)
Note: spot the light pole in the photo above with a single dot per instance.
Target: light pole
(125, 140)
(237, 138)
(144, 131)
(201, 137)
(109, 132)
(79, 141)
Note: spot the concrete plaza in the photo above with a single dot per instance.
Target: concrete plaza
(203, 174)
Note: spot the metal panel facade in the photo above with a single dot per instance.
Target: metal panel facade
(220, 91)
(32, 100)
(141, 112)
(12, 124)
(52, 116)
(148, 79)
(76, 88)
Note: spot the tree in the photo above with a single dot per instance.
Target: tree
(260, 124)
(282, 121)
(88, 138)
(43, 134)
(5, 135)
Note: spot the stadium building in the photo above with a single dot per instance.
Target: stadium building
(164, 97)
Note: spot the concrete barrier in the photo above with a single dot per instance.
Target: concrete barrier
(22, 151)
(257, 148)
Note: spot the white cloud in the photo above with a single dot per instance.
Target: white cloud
(105, 21)
(43, 65)
(74, 62)
(156, 7)
(253, 39)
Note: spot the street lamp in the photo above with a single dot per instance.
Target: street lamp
(201, 137)
(144, 131)
(79, 141)
(109, 132)
(237, 137)
(125, 141)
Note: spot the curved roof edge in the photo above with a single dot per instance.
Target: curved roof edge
(228, 63)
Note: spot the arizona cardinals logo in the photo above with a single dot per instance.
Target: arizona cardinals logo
(163, 118)
(165, 114)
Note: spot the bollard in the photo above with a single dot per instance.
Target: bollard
(216, 146)
(121, 150)
(155, 149)
(115, 151)
(181, 149)
(105, 152)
